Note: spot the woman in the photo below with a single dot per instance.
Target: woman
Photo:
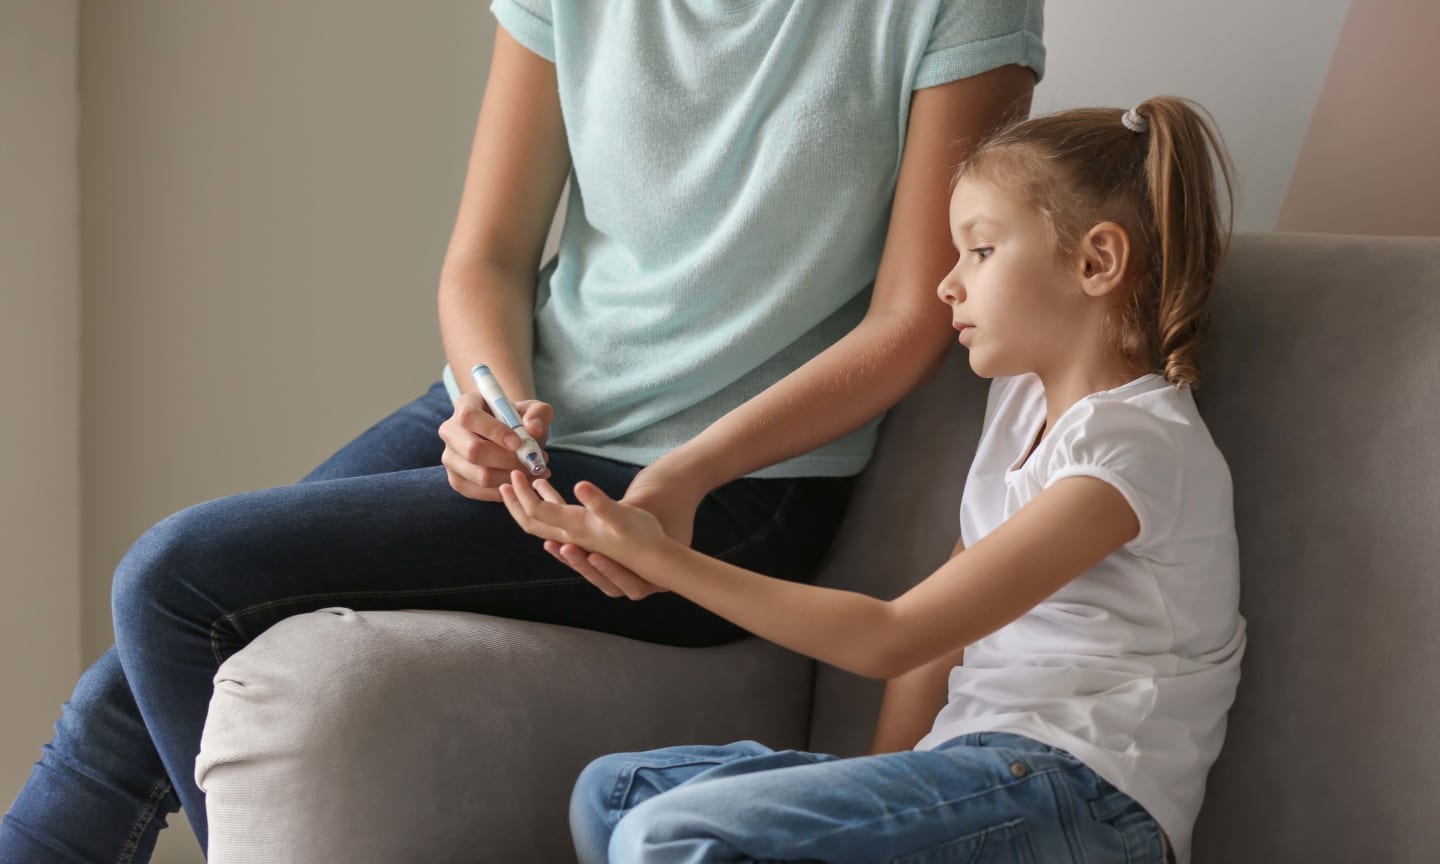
(745, 284)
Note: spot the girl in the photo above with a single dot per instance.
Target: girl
(1094, 590)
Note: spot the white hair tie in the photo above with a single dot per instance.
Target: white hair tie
(1135, 122)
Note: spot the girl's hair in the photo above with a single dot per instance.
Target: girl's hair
(1086, 166)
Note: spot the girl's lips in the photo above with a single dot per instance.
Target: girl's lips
(965, 331)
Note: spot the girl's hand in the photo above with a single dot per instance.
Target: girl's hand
(480, 450)
(600, 523)
(656, 489)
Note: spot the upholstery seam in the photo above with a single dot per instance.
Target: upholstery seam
(336, 595)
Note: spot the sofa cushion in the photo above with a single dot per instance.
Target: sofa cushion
(1320, 381)
(1321, 384)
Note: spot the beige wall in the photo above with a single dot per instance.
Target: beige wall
(269, 187)
(39, 378)
(1257, 67)
(1369, 164)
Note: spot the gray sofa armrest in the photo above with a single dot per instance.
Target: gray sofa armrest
(448, 736)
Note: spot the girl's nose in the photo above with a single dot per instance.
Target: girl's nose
(949, 290)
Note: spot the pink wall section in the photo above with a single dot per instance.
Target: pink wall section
(1371, 161)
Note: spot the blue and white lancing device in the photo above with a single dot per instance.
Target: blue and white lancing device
(500, 406)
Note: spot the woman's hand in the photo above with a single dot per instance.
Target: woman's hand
(600, 523)
(480, 450)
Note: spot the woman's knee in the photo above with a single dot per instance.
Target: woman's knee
(167, 558)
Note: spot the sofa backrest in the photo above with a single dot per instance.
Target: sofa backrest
(1320, 382)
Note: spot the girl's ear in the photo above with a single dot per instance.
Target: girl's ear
(1103, 258)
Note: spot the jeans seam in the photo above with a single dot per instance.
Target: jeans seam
(404, 592)
(764, 529)
(948, 802)
(1069, 820)
(1007, 827)
(625, 779)
(147, 815)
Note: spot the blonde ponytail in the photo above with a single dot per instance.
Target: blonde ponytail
(1190, 237)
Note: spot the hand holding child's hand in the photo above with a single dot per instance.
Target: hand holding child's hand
(606, 527)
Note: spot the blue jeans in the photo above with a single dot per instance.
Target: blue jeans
(377, 526)
(984, 797)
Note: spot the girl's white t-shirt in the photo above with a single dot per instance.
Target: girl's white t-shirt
(1132, 666)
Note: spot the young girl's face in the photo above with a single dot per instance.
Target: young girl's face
(1011, 298)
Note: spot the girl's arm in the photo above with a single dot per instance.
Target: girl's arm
(1064, 531)
(911, 701)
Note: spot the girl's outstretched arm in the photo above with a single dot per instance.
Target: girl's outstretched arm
(1067, 529)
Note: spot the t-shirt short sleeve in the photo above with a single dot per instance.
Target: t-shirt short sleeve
(1134, 451)
(974, 36)
(531, 22)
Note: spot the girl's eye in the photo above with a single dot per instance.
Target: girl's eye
(983, 251)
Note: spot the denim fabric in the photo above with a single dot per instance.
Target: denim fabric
(377, 526)
(983, 797)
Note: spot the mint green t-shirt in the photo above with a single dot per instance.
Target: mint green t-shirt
(734, 163)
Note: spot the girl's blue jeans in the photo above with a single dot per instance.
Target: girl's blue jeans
(983, 797)
(376, 526)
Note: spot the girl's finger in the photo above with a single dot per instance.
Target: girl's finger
(507, 497)
(538, 528)
(594, 498)
(548, 492)
(561, 515)
(524, 494)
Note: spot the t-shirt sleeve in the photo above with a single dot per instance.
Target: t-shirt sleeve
(974, 36)
(1134, 451)
(531, 22)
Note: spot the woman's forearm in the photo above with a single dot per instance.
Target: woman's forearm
(839, 390)
(487, 316)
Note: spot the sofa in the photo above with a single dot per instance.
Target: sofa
(400, 736)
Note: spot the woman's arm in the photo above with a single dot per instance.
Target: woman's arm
(1064, 531)
(518, 164)
(905, 332)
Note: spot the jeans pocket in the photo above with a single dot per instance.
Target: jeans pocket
(645, 775)
(1004, 843)
(1138, 831)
